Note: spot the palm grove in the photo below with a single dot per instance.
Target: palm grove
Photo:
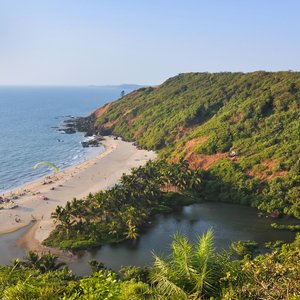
(121, 212)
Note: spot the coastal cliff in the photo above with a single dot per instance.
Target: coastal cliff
(88, 124)
(242, 128)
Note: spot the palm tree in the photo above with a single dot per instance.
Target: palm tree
(48, 262)
(113, 228)
(45, 263)
(189, 272)
(31, 260)
(195, 180)
(57, 214)
(131, 232)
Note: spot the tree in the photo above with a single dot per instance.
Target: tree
(48, 263)
(189, 272)
(100, 285)
(131, 232)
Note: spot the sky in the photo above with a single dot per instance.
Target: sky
(98, 42)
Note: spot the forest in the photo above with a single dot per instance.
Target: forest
(242, 128)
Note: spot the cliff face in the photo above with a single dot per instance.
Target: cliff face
(84, 124)
(242, 127)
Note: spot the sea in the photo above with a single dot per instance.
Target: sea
(29, 117)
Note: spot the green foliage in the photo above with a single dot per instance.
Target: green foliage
(256, 114)
(137, 291)
(136, 273)
(274, 275)
(121, 212)
(21, 291)
(189, 272)
(100, 285)
(45, 263)
(24, 281)
(243, 248)
(286, 227)
(96, 266)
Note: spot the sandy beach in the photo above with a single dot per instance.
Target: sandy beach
(37, 200)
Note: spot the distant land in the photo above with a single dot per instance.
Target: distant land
(121, 86)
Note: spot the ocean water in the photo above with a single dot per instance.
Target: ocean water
(28, 116)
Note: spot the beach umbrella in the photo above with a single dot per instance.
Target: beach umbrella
(55, 168)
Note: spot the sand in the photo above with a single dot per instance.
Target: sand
(37, 200)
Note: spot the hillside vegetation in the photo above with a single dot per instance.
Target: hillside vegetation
(242, 129)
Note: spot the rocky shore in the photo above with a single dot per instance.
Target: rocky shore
(86, 125)
(80, 124)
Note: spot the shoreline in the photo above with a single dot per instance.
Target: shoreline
(38, 199)
(29, 242)
(17, 188)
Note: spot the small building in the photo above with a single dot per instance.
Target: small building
(232, 153)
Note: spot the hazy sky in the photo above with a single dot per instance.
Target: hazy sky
(80, 42)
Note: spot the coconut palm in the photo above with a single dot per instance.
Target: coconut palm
(31, 260)
(48, 262)
(113, 228)
(57, 214)
(189, 272)
(131, 232)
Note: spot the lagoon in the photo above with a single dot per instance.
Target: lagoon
(229, 222)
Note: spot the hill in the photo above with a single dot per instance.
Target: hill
(243, 129)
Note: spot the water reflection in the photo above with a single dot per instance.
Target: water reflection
(229, 222)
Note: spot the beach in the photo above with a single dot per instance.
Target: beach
(37, 200)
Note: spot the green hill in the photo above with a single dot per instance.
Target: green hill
(242, 129)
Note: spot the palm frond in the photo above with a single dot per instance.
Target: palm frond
(205, 246)
(204, 255)
(165, 287)
(182, 256)
(162, 278)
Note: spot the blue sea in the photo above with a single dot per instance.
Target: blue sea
(28, 117)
